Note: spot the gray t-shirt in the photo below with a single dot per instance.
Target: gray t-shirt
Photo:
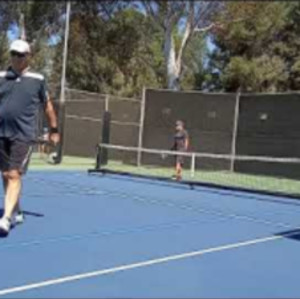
(180, 138)
(20, 99)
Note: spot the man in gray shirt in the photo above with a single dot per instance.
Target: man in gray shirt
(181, 144)
(22, 91)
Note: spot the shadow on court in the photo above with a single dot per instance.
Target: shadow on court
(293, 234)
(26, 213)
(229, 191)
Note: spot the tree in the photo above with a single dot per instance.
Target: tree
(114, 53)
(260, 52)
(35, 22)
(193, 64)
(131, 44)
(185, 17)
(4, 57)
(33, 19)
(288, 46)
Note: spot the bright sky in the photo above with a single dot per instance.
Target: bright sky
(13, 32)
(211, 46)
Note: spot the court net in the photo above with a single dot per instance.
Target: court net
(271, 175)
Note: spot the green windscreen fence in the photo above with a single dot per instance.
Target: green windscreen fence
(269, 125)
(125, 122)
(84, 121)
(247, 125)
(209, 120)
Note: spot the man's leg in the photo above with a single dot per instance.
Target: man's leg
(4, 182)
(178, 171)
(178, 167)
(4, 162)
(12, 195)
(19, 217)
(12, 182)
(19, 156)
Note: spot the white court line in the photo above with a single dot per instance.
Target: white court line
(140, 264)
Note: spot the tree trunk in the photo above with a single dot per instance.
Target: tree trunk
(22, 27)
(170, 57)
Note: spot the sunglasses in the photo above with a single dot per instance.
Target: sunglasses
(18, 54)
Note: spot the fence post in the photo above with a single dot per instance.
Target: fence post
(107, 102)
(235, 129)
(141, 128)
(61, 112)
(193, 165)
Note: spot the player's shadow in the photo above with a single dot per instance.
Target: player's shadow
(26, 213)
(293, 234)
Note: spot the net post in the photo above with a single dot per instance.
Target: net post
(235, 128)
(193, 165)
(141, 128)
(98, 157)
(105, 136)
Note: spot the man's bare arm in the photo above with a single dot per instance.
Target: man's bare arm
(52, 120)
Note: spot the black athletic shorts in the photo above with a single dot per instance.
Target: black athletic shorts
(179, 159)
(15, 155)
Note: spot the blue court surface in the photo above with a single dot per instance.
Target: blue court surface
(107, 236)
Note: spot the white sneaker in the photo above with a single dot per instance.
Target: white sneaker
(5, 224)
(19, 218)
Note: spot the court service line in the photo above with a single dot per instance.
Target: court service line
(146, 263)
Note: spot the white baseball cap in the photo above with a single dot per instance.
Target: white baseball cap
(19, 46)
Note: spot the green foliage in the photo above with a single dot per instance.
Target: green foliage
(4, 56)
(115, 48)
(41, 20)
(118, 56)
(194, 74)
(259, 53)
(263, 73)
